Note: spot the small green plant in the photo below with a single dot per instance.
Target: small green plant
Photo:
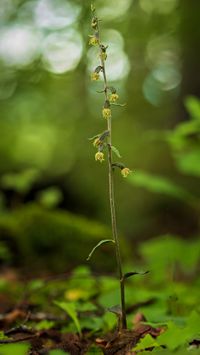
(103, 142)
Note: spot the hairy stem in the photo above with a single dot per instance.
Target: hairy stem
(112, 196)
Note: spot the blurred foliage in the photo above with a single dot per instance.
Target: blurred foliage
(70, 309)
(158, 184)
(52, 239)
(49, 108)
(184, 140)
(164, 251)
(17, 349)
(57, 352)
(20, 182)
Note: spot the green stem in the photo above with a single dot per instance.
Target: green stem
(112, 199)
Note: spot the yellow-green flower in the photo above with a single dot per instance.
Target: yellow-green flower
(93, 41)
(125, 172)
(103, 55)
(94, 23)
(99, 156)
(95, 76)
(113, 97)
(106, 112)
(97, 142)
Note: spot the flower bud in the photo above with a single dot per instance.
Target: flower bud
(92, 7)
(106, 112)
(125, 172)
(93, 41)
(113, 97)
(103, 55)
(95, 76)
(94, 23)
(97, 142)
(99, 156)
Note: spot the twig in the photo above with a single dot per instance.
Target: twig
(11, 341)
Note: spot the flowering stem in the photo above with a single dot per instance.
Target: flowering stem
(111, 191)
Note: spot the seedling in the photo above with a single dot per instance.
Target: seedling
(103, 143)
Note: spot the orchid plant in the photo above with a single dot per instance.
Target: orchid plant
(103, 143)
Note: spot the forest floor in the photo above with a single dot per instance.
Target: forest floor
(76, 313)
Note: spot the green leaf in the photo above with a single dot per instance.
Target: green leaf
(133, 273)
(116, 151)
(181, 351)
(173, 337)
(188, 162)
(98, 245)
(21, 181)
(14, 349)
(104, 135)
(92, 323)
(50, 197)
(107, 299)
(118, 165)
(44, 324)
(82, 271)
(94, 350)
(70, 309)
(35, 285)
(116, 310)
(117, 104)
(176, 336)
(145, 343)
(3, 336)
(101, 136)
(158, 184)
(85, 307)
(165, 251)
(94, 137)
(109, 320)
(57, 352)
(193, 325)
(98, 69)
(193, 106)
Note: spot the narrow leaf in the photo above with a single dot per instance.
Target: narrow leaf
(132, 273)
(104, 135)
(112, 89)
(116, 104)
(98, 245)
(94, 137)
(100, 92)
(116, 310)
(69, 308)
(118, 165)
(116, 151)
(98, 69)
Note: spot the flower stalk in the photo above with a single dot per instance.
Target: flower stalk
(110, 97)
